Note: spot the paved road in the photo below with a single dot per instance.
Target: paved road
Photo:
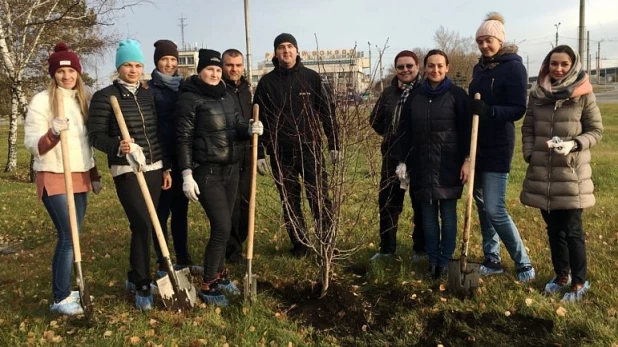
(607, 97)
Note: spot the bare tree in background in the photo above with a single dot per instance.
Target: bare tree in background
(28, 31)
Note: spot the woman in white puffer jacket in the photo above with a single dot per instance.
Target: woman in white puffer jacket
(42, 136)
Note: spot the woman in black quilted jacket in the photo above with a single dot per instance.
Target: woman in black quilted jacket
(210, 130)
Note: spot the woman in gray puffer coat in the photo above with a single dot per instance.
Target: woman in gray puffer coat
(562, 123)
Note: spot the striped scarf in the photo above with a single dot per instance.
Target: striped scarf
(402, 100)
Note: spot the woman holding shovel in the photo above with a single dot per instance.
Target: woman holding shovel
(210, 129)
(562, 123)
(143, 153)
(500, 78)
(42, 129)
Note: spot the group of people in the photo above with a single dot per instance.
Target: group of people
(425, 124)
(189, 138)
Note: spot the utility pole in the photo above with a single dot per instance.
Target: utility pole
(557, 26)
(599, 63)
(182, 26)
(369, 44)
(249, 67)
(527, 68)
(588, 52)
(582, 27)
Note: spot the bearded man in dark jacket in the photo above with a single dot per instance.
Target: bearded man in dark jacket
(239, 88)
(295, 107)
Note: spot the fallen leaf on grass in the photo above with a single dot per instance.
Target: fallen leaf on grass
(199, 342)
(245, 310)
(134, 340)
(442, 287)
(251, 328)
(561, 311)
(443, 299)
(529, 301)
(507, 313)
(107, 333)
(149, 333)
(153, 322)
(218, 310)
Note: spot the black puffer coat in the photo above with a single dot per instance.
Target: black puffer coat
(208, 125)
(434, 141)
(139, 113)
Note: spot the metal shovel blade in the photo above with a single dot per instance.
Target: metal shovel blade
(84, 294)
(250, 287)
(184, 297)
(463, 283)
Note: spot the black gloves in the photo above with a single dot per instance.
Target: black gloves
(482, 109)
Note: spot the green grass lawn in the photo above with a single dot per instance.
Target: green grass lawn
(387, 303)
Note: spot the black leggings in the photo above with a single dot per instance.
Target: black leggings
(218, 185)
(134, 206)
(567, 244)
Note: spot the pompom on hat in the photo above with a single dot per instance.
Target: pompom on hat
(492, 26)
(62, 57)
(128, 51)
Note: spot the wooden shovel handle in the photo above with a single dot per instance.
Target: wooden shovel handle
(470, 187)
(254, 153)
(68, 180)
(141, 180)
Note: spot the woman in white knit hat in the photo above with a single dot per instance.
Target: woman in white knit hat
(500, 77)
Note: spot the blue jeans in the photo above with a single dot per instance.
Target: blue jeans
(62, 262)
(496, 224)
(440, 241)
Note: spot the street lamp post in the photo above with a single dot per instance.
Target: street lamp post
(557, 26)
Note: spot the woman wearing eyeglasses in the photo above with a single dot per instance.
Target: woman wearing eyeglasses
(500, 77)
(385, 119)
(434, 135)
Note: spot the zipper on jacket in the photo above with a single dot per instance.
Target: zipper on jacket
(492, 86)
(430, 145)
(551, 132)
(144, 127)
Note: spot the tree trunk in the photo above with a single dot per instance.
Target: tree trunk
(19, 107)
(325, 274)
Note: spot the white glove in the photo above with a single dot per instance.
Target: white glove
(335, 156)
(402, 172)
(262, 167)
(256, 127)
(136, 157)
(564, 147)
(58, 125)
(96, 187)
(189, 186)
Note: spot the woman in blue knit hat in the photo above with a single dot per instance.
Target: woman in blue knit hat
(143, 152)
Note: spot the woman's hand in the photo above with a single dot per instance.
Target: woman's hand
(464, 173)
(167, 180)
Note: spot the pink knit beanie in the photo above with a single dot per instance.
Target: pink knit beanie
(492, 26)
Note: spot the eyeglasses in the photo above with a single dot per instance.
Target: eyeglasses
(407, 66)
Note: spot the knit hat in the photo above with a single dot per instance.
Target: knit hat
(285, 37)
(492, 26)
(208, 57)
(406, 54)
(62, 57)
(164, 48)
(128, 50)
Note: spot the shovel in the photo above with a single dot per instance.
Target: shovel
(84, 294)
(175, 288)
(463, 276)
(250, 282)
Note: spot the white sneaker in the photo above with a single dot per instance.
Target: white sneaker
(67, 307)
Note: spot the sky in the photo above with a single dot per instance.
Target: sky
(341, 24)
